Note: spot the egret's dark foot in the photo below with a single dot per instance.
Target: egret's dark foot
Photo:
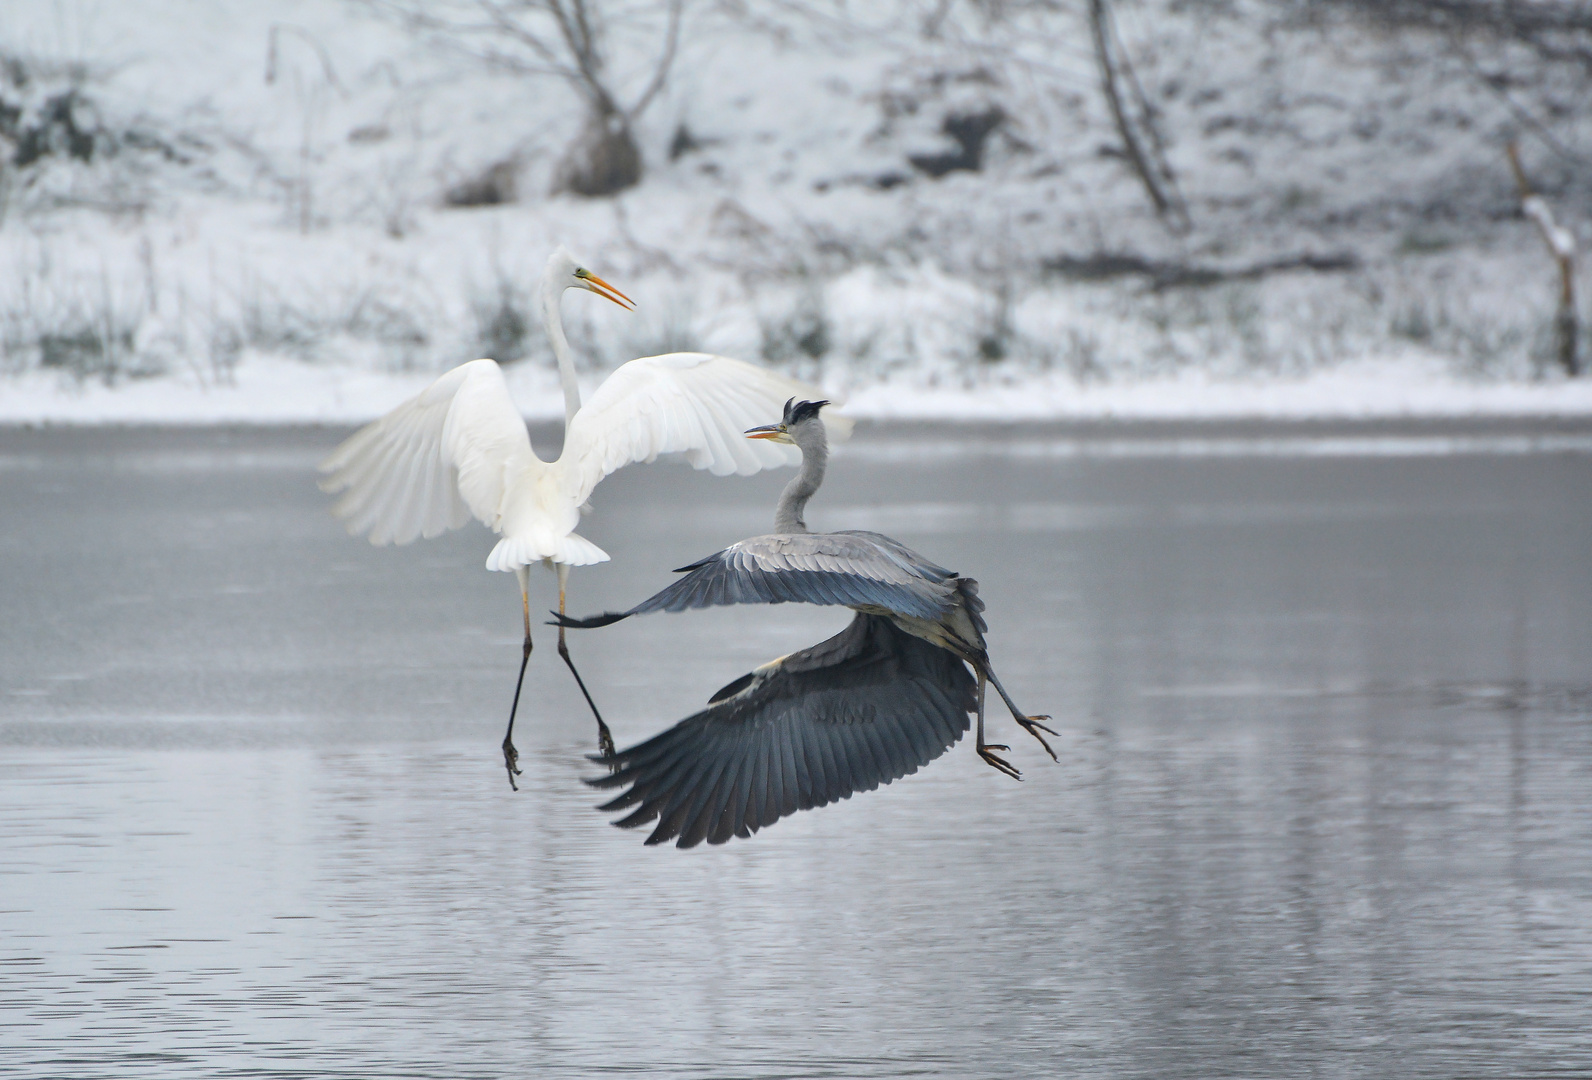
(987, 752)
(511, 760)
(1034, 725)
(605, 740)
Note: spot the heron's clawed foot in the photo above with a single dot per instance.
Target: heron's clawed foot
(987, 752)
(511, 760)
(1034, 725)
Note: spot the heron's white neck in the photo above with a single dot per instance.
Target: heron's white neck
(814, 445)
(552, 293)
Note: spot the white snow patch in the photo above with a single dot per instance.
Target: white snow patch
(273, 390)
(1559, 239)
(1363, 390)
(265, 390)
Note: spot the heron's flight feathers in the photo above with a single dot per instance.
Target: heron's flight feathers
(863, 708)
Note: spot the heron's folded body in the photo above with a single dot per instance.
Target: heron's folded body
(865, 571)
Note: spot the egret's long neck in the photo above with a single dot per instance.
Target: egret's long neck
(793, 500)
(552, 293)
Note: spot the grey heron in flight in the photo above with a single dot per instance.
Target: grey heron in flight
(461, 448)
(886, 695)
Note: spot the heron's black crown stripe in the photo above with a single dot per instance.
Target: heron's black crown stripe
(797, 411)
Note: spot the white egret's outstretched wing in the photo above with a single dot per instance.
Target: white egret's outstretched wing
(694, 404)
(866, 707)
(433, 461)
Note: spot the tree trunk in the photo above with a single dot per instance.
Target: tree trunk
(1561, 249)
(604, 160)
(1156, 174)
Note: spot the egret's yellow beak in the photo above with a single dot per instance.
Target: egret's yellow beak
(772, 432)
(605, 290)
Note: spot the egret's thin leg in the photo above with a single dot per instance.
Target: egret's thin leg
(987, 750)
(605, 740)
(511, 756)
(1031, 724)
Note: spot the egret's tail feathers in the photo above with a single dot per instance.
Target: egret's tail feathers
(571, 549)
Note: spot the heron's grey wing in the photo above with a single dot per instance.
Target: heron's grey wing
(858, 569)
(865, 707)
(901, 552)
(810, 568)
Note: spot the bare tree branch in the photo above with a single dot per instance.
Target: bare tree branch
(1561, 248)
(1520, 112)
(661, 76)
(1147, 161)
(566, 39)
(328, 72)
(502, 22)
(576, 31)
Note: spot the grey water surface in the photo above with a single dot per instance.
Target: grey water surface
(1323, 808)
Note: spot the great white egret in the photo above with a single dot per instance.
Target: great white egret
(824, 722)
(461, 448)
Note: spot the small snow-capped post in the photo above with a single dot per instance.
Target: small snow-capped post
(1561, 247)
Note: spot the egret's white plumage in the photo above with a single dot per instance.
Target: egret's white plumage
(460, 448)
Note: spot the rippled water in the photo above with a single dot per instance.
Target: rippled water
(1324, 806)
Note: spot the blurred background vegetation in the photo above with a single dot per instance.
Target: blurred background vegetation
(942, 192)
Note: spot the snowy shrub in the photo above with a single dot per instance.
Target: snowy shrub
(503, 322)
(496, 185)
(61, 146)
(333, 324)
(799, 336)
(78, 320)
(80, 339)
(666, 326)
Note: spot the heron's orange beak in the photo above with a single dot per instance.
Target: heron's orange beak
(606, 291)
(767, 431)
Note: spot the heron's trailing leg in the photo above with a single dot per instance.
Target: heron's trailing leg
(1031, 724)
(987, 750)
(511, 756)
(605, 741)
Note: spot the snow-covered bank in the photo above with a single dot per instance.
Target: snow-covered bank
(229, 211)
(273, 390)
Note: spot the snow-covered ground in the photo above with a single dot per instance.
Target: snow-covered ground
(274, 389)
(271, 239)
